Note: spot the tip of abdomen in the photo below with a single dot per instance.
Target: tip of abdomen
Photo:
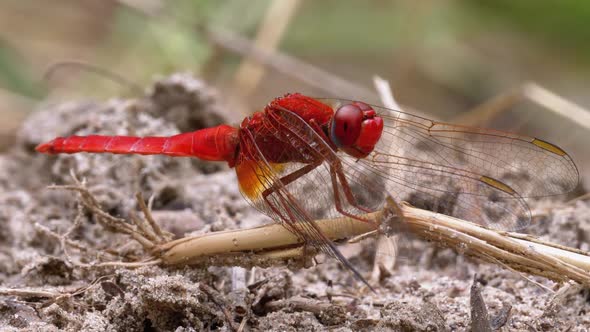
(54, 146)
(45, 147)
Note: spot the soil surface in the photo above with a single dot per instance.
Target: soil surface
(56, 290)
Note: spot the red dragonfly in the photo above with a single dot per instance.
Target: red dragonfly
(303, 158)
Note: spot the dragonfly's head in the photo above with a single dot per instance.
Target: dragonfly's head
(356, 128)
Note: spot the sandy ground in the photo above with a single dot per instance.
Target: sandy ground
(433, 294)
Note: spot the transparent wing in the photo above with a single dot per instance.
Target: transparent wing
(477, 174)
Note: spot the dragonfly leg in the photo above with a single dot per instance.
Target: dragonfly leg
(336, 169)
(291, 221)
(314, 124)
(285, 180)
(347, 191)
(299, 173)
(338, 202)
(300, 231)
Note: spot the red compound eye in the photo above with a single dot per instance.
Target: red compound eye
(347, 125)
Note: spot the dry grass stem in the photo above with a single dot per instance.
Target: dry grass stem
(384, 90)
(534, 93)
(270, 33)
(218, 299)
(108, 74)
(515, 251)
(28, 293)
(271, 240)
(290, 66)
(579, 198)
(52, 295)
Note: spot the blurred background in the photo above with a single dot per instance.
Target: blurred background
(442, 58)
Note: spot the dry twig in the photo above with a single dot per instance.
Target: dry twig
(519, 252)
(57, 66)
(531, 92)
(52, 295)
(146, 232)
(216, 298)
(290, 66)
(270, 33)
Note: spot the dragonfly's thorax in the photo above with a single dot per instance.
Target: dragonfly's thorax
(276, 147)
(281, 132)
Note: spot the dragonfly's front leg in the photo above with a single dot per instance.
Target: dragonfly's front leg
(349, 197)
(287, 179)
(336, 172)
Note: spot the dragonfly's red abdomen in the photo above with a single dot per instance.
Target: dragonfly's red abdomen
(215, 144)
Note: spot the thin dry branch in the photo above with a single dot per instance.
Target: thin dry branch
(145, 231)
(516, 251)
(29, 292)
(64, 64)
(531, 92)
(52, 294)
(217, 298)
(290, 66)
(146, 210)
(270, 33)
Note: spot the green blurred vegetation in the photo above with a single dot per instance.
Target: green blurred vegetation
(140, 45)
(15, 76)
(455, 52)
(562, 24)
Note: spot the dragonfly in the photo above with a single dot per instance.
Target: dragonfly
(304, 158)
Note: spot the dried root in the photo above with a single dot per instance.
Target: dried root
(144, 231)
(51, 295)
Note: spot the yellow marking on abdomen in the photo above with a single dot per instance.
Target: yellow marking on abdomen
(549, 147)
(497, 184)
(254, 179)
